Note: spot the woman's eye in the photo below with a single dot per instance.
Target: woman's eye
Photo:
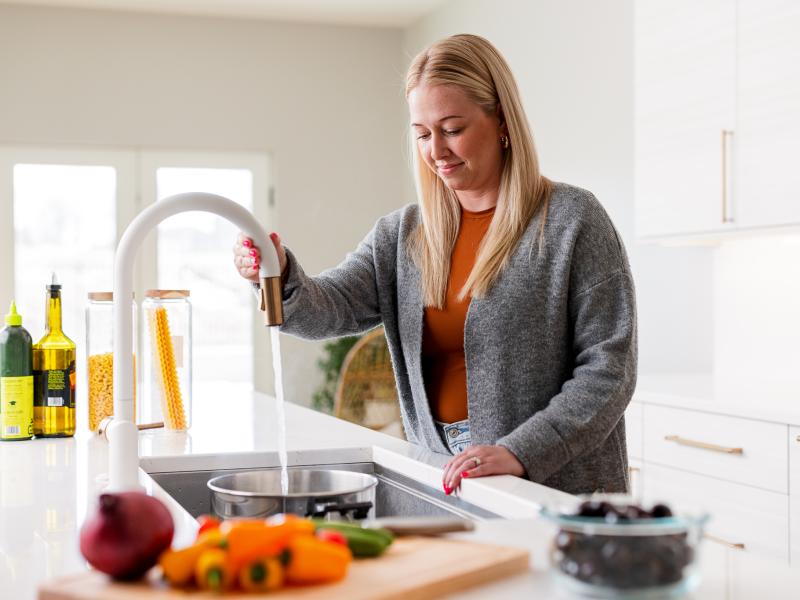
(453, 132)
(423, 136)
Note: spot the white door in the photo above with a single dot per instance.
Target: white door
(768, 133)
(685, 85)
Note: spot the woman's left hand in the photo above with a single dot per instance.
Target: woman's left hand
(479, 461)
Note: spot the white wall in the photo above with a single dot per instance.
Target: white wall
(324, 101)
(574, 66)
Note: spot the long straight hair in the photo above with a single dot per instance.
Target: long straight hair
(472, 64)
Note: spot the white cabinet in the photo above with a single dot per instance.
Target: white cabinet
(767, 138)
(745, 518)
(685, 84)
(752, 577)
(794, 493)
(717, 115)
(739, 450)
(714, 567)
(633, 430)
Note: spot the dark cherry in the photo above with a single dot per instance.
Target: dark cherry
(661, 511)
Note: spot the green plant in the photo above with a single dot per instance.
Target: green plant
(330, 363)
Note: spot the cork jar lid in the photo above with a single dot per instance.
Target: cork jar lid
(167, 294)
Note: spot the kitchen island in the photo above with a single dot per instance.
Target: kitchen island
(47, 485)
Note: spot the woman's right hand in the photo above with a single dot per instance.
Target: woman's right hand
(247, 257)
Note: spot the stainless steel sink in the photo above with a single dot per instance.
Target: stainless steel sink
(396, 494)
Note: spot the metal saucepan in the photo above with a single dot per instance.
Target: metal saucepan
(312, 492)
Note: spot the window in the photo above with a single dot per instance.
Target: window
(64, 223)
(194, 252)
(63, 211)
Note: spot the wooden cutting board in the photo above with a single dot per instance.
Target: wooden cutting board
(413, 567)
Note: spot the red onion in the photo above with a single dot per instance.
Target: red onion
(126, 534)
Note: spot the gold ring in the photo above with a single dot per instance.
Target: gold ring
(477, 461)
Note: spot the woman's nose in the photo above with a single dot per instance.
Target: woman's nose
(438, 147)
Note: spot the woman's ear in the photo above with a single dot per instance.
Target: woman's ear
(502, 119)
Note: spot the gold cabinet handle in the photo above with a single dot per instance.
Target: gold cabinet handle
(703, 445)
(726, 133)
(798, 438)
(734, 545)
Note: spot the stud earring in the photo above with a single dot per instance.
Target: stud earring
(504, 140)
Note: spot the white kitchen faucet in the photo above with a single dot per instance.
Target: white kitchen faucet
(122, 433)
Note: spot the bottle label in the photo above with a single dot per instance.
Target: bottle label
(16, 407)
(57, 388)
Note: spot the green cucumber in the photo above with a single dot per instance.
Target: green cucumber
(362, 541)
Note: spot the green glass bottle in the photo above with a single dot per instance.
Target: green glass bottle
(54, 374)
(16, 379)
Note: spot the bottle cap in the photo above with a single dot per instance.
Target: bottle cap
(53, 286)
(13, 318)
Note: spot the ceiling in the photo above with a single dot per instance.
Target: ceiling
(381, 13)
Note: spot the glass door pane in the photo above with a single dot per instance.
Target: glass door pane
(64, 223)
(194, 253)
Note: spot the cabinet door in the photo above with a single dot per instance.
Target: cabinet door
(767, 139)
(685, 85)
(747, 519)
(794, 494)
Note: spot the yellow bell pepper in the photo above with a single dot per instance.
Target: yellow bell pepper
(311, 560)
(177, 566)
(261, 575)
(213, 572)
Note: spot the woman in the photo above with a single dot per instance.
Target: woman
(507, 299)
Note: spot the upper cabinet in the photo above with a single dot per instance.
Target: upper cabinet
(767, 139)
(717, 96)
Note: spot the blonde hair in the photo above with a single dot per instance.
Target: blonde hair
(472, 64)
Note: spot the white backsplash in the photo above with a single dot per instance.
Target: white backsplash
(757, 314)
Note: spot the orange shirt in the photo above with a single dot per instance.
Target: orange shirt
(444, 369)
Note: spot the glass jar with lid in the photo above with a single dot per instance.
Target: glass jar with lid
(100, 357)
(167, 360)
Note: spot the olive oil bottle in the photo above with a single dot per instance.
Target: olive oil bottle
(16, 379)
(54, 374)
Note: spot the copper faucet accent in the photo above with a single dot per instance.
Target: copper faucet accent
(271, 300)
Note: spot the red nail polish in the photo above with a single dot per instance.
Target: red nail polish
(253, 252)
(465, 474)
(247, 243)
(447, 490)
(273, 235)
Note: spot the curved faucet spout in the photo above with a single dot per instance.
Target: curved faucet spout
(122, 433)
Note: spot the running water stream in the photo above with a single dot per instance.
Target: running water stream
(276, 366)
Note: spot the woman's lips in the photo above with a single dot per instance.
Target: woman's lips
(447, 169)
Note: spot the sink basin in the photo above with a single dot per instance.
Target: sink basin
(396, 494)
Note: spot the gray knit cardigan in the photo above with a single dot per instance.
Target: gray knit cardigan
(550, 351)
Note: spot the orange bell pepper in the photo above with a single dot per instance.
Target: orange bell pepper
(312, 560)
(249, 540)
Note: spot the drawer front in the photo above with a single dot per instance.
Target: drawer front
(730, 448)
(633, 430)
(741, 515)
(794, 492)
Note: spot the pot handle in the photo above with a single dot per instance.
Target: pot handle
(359, 510)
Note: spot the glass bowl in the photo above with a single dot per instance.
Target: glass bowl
(627, 555)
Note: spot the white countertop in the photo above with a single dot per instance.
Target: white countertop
(46, 486)
(770, 400)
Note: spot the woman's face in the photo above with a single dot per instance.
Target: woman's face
(456, 138)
